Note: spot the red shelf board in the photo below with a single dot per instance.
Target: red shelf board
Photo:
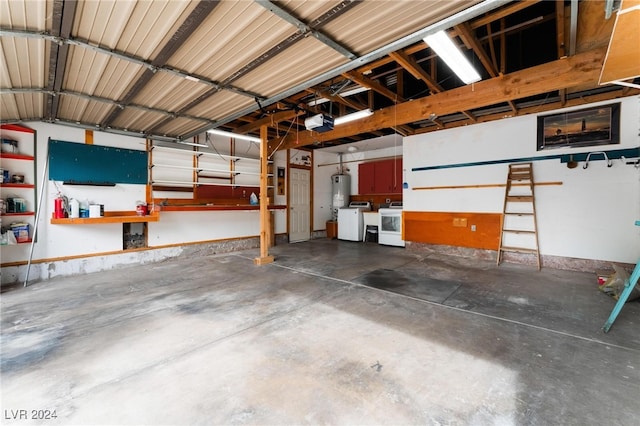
(16, 156)
(17, 128)
(17, 185)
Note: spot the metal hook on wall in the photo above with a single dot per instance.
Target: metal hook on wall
(604, 154)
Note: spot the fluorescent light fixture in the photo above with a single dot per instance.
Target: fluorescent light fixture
(193, 144)
(353, 116)
(354, 91)
(344, 94)
(451, 55)
(191, 78)
(234, 135)
(318, 101)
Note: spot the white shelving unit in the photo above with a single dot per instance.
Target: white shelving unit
(183, 168)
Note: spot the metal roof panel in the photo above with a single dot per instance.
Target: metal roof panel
(135, 27)
(83, 110)
(25, 62)
(302, 61)
(220, 105)
(178, 126)
(21, 106)
(169, 92)
(236, 33)
(373, 24)
(26, 15)
(134, 119)
(98, 74)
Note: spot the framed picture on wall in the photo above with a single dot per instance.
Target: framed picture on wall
(586, 127)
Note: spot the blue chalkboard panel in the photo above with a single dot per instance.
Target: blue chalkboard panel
(84, 164)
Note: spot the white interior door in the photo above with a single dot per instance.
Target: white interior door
(299, 205)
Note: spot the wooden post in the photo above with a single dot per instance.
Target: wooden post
(265, 217)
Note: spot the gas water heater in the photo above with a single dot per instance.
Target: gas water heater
(340, 192)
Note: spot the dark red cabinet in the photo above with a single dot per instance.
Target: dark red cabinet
(366, 178)
(380, 177)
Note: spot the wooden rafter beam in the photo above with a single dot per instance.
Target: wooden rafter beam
(414, 68)
(502, 13)
(503, 47)
(492, 49)
(374, 85)
(271, 120)
(580, 69)
(343, 101)
(469, 39)
(560, 40)
(470, 116)
(479, 22)
(538, 109)
(560, 28)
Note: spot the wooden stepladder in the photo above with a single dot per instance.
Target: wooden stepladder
(519, 230)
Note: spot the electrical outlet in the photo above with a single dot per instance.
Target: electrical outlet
(473, 228)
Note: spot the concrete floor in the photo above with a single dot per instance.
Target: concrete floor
(333, 332)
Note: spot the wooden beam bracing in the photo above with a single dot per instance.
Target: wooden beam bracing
(271, 120)
(580, 69)
(364, 81)
(469, 39)
(538, 109)
(412, 66)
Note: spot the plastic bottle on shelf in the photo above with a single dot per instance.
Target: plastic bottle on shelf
(74, 208)
(84, 209)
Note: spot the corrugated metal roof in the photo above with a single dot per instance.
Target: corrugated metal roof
(25, 106)
(173, 67)
(234, 34)
(299, 63)
(28, 15)
(179, 126)
(82, 109)
(221, 104)
(167, 92)
(133, 118)
(25, 60)
(376, 23)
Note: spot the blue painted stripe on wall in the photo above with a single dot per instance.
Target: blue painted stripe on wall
(564, 158)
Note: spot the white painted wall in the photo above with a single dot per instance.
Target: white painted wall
(56, 241)
(590, 216)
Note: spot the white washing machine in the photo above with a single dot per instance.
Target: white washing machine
(350, 221)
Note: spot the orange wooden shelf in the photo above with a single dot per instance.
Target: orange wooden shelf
(109, 217)
(216, 207)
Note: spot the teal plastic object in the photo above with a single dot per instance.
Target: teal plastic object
(628, 287)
